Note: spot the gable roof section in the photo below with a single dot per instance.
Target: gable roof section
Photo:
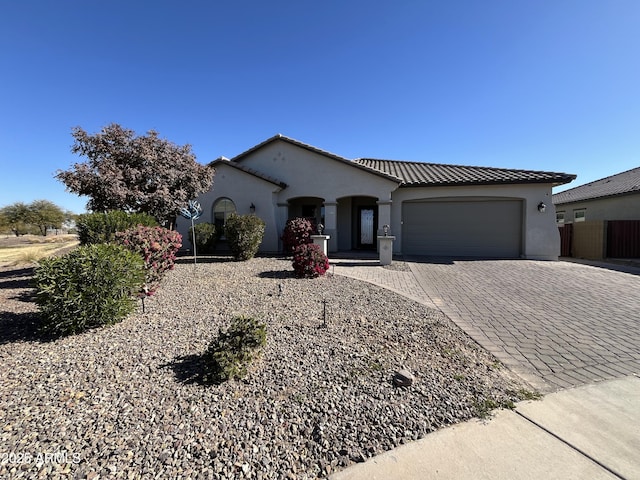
(250, 171)
(240, 157)
(418, 174)
(620, 184)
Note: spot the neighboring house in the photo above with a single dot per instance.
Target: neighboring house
(612, 198)
(431, 209)
(601, 219)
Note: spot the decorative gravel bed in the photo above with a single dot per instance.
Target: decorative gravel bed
(126, 401)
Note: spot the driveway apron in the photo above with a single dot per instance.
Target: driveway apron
(556, 324)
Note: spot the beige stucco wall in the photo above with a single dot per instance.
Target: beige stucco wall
(310, 174)
(243, 189)
(624, 207)
(540, 238)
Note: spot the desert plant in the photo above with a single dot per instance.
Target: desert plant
(206, 237)
(232, 351)
(244, 234)
(309, 261)
(157, 246)
(86, 288)
(102, 227)
(297, 232)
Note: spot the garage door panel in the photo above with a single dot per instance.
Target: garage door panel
(453, 228)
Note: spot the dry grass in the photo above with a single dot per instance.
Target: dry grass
(26, 254)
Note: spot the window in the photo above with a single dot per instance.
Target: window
(222, 208)
(579, 215)
(559, 217)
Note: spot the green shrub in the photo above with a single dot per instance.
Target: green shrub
(229, 355)
(206, 237)
(244, 234)
(309, 261)
(102, 227)
(86, 288)
(157, 246)
(297, 232)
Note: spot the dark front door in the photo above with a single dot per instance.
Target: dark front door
(367, 227)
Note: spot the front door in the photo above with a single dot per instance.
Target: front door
(367, 227)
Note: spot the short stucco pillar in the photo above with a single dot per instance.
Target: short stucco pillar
(385, 246)
(384, 214)
(322, 241)
(331, 224)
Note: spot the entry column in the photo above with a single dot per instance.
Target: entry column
(331, 224)
(384, 215)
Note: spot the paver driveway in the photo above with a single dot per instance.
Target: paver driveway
(557, 324)
(564, 323)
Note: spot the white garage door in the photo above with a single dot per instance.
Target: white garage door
(479, 228)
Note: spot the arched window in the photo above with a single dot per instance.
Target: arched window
(222, 208)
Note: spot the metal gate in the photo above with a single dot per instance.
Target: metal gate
(623, 239)
(566, 232)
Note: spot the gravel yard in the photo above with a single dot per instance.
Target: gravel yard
(126, 401)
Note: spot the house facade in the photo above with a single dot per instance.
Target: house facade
(431, 209)
(601, 219)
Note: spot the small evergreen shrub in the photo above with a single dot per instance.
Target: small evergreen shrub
(86, 288)
(157, 246)
(244, 234)
(297, 232)
(206, 237)
(229, 355)
(309, 261)
(102, 227)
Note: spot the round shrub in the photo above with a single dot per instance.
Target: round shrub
(206, 237)
(88, 287)
(297, 232)
(157, 246)
(309, 261)
(229, 355)
(244, 234)
(102, 227)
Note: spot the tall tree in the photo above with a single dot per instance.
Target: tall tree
(144, 174)
(45, 214)
(17, 217)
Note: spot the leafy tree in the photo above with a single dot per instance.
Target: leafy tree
(16, 217)
(142, 174)
(44, 214)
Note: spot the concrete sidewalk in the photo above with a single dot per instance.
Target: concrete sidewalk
(589, 432)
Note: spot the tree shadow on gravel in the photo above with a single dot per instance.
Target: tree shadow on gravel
(15, 273)
(189, 369)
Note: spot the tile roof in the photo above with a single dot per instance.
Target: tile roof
(620, 184)
(418, 174)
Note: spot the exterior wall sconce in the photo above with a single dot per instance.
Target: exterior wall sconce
(385, 229)
(541, 207)
(252, 208)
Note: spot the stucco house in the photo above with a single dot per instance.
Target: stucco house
(601, 219)
(612, 198)
(431, 209)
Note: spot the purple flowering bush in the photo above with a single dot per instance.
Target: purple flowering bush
(297, 232)
(157, 246)
(309, 261)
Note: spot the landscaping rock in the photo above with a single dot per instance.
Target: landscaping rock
(126, 401)
(403, 378)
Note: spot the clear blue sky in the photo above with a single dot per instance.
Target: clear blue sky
(533, 84)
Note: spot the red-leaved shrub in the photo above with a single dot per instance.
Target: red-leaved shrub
(309, 261)
(297, 232)
(157, 246)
